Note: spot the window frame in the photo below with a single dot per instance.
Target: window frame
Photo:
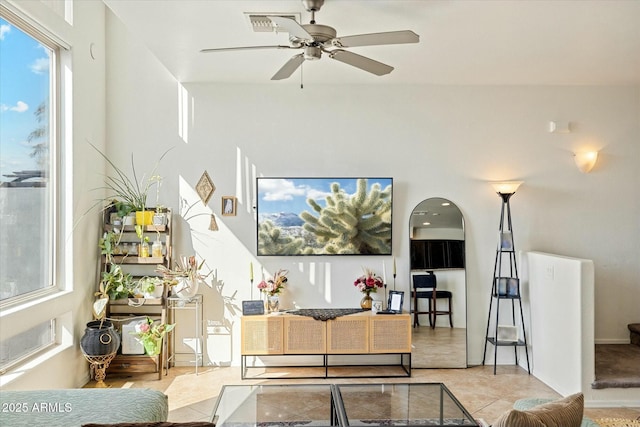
(52, 227)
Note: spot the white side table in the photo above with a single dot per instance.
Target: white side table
(195, 342)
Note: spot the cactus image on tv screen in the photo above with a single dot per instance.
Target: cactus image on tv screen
(324, 216)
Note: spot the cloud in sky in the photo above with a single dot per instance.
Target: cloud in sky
(4, 29)
(281, 189)
(20, 107)
(317, 194)
(275, 190)
(40, 66)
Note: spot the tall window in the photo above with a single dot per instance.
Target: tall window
(27, 177)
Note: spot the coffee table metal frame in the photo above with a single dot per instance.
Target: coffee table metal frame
(338, 411)
(404, 362)
(444, 394)
(333, 416)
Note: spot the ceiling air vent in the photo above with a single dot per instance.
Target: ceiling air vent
(262, 24)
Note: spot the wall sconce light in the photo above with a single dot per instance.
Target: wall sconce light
(585, 160)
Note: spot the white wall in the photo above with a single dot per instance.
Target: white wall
(435, 141)
(438, 233)
(560, 293)
(559, 312)
(84, 111)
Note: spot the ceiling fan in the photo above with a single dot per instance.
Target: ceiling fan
(314, 39)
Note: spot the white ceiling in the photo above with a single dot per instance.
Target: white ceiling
(486, 42)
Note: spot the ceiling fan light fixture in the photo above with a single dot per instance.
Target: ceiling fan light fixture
(320, 33)
(314, 39)
(312, 53)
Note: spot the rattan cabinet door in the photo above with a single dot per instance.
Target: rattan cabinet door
(348, 334)
(304, 335)
(390, 334)
(261, 335)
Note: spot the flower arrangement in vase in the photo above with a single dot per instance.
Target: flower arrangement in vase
(272, 288)
(367, 283)
(150, 335)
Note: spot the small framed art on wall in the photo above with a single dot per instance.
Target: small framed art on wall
(229, 205)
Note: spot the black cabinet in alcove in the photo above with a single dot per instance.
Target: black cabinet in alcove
(437, 254)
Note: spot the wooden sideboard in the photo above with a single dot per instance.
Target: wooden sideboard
(363, 334)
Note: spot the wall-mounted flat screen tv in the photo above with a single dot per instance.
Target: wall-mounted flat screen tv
(324, 216)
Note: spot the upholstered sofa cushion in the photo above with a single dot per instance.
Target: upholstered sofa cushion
(76, 407)
(566, 412)
(530, 402)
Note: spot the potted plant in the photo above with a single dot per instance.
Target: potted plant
(185, 277)
(160, 216)
(125, 212)
(115, 283)
(150, 334)
(151, 287)
(129, 189)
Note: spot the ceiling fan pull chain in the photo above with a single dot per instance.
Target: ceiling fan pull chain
(301, 76)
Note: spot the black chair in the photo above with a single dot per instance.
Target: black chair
(424, 287)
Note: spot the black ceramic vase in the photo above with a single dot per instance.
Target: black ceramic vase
(100, 338)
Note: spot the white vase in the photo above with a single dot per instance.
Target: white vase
(157, 293)
(186, 288)
(129, 219)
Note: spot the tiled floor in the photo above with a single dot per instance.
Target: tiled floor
(192, 397)
(441, 347)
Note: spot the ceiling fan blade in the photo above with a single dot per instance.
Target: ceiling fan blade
(226, 49)
(373, 39)
(288, 68)
(362, 62)
(292, 27)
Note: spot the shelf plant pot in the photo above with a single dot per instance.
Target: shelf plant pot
(144, 217)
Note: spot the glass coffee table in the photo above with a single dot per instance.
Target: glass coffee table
(324, 405)
(417, 404)
(275, 405)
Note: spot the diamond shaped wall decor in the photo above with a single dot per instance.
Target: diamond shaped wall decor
(205, 188)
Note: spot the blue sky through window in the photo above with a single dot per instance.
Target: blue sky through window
(24, 85)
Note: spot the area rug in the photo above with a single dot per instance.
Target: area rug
(617, 422)
(617, 366)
